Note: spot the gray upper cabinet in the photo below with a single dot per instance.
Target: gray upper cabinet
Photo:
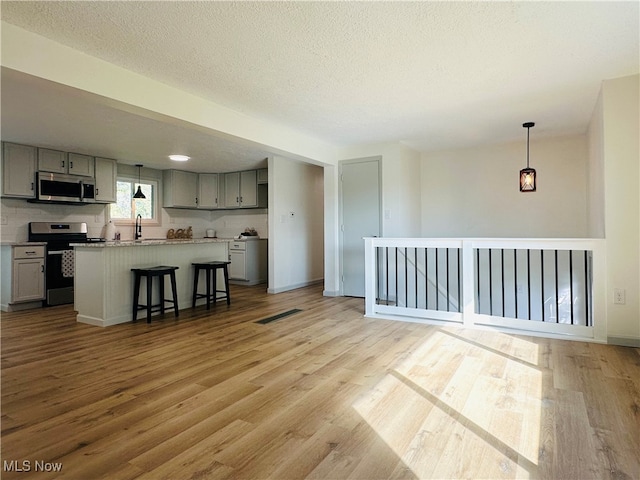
(241, 189)
(62, 162)
(80, 164)
(106, 171)
(208, 191)
(52, 161)
(18, 170)
(180, 189)
(232, 189)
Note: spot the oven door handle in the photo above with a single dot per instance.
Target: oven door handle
(58, 252)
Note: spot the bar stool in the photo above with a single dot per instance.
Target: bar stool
(211, 270)
(149, 273)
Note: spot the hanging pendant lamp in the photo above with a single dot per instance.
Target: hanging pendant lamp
(139, 193)
(528, 175)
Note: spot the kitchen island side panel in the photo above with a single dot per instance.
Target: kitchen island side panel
(104, 281)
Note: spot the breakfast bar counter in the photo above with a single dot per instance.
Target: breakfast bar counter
(103, 280)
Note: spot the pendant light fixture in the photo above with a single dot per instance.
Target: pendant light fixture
(528, 175)
(139, 193)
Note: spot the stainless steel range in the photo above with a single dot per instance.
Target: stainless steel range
(60, 258)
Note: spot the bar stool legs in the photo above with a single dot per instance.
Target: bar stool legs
(149, 273)
(211, 270)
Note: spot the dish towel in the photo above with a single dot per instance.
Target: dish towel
(68, 263)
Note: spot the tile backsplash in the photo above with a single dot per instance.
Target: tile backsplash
(16, 214)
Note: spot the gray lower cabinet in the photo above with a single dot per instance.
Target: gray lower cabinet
(23, 283)
(249, 262)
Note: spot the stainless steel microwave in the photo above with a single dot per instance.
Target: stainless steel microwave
(61, 188)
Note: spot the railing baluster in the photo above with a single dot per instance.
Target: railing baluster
(542, 281)
(426, 278)
(397, 293)
(557, 289)
(571, 282)
(448, 279)
(586, 288)
(415, 269)
(490, 284)
(437, 283)
(515, 281)
(387, 273)
(502, 277)
(529, 281)
(406, 280)
(478, 276)
(459, 283)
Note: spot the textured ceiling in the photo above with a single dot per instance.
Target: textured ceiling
(434, 75)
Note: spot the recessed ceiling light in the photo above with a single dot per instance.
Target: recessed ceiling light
(179, 158)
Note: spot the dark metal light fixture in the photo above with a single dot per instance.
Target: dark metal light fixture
(139, 193)
(528, 175)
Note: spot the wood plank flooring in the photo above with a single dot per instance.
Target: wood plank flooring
(321, 394)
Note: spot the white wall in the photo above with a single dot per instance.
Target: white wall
(475, 192)
(296, 224)
(400, 185)
(595, 173)
(621, 154)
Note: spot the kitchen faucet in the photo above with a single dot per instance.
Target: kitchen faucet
(138, 227)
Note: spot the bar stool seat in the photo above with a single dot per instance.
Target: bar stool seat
(211, 270)
(160, 272)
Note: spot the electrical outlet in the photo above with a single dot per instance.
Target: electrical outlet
(619, 296)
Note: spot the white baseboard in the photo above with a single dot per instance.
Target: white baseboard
(295, 286)
(624, 341)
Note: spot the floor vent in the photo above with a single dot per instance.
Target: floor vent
(278, 316)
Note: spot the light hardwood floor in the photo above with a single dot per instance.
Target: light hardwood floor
(320, 394)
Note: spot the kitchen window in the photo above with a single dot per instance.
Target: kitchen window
(126, 208)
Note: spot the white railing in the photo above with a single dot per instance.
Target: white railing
(547, 287)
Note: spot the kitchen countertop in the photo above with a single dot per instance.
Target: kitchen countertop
(23, 244)
(150, 242)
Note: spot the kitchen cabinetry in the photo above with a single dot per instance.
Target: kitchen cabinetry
(18, 170)
(249, 260)
(27, 277)
(106, 171)
(62, 162)
(263, 176)
(180, 189)
(241, 189)
(208, 190)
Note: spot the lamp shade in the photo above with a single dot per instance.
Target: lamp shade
(528, 175)
(528, 180)
(139, 194)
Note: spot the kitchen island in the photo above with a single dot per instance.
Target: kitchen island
(103, 279)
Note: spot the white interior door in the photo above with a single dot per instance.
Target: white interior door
(360, 217)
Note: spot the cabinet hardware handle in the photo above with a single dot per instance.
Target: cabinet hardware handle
(42, 268)
(97, 191)
(31, 185)
(196, 200)
(237, 199)
(70, 164)
(62, 163)
(30, 253)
